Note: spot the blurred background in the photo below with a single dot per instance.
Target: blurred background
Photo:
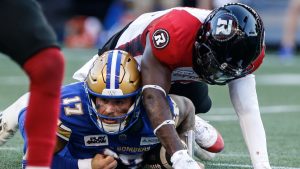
(89, 23)
(82, 26)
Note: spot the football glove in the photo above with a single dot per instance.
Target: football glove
(182, 160)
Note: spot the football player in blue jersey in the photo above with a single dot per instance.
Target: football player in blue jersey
(103, 123)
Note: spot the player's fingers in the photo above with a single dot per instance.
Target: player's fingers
(99, 156)
(109, 159)
(101, 161)
(112, 165)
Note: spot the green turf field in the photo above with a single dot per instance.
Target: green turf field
(278, 87)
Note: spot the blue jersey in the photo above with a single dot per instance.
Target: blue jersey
(85, 139)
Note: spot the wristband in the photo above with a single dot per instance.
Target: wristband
(162, 124)
(154, 87)
(85, 163)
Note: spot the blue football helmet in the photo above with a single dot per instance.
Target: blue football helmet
(114, 75)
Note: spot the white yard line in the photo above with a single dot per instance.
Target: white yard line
(245, 155)
(11, 148)
(286, 79)
(228, 113)
(246, 166)
(263, 109)
(278, 79)
(14, 80)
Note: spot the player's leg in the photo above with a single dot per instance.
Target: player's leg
(197, 92)
(21, 125)
(32, 44)
(208, 139)
(45, 70)
(9, 118)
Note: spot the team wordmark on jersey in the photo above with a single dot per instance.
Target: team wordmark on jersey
(96, 140)
(149, 140)
(184, 74)
(160, 38)
(133, 149)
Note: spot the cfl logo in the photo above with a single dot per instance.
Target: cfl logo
(224, 26)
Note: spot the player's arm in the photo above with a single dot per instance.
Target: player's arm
(158, 78)
(244, 99)
(97, 162)
(186, 116)
(61, 162)
(60, 144)
(157, 108)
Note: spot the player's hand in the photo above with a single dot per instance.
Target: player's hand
(182, 160)
(101, 161)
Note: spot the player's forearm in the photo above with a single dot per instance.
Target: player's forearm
(169, 140)
(158, 112)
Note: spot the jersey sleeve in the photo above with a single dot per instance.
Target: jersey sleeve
(71, 111)
(172, 38)
(63, 131)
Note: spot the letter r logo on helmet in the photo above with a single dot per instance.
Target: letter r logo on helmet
(232, 35)
(221, 26)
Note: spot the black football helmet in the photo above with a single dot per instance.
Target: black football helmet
(227, 44)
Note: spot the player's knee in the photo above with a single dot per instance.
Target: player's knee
(197, 92)
(46, 66)
(203, 106)
(52, 65)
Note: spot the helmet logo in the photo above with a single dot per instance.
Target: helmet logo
(223, 66)
(160, 38)
(224, 27)
(112, 92)
(221, 27)
(238, 71)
